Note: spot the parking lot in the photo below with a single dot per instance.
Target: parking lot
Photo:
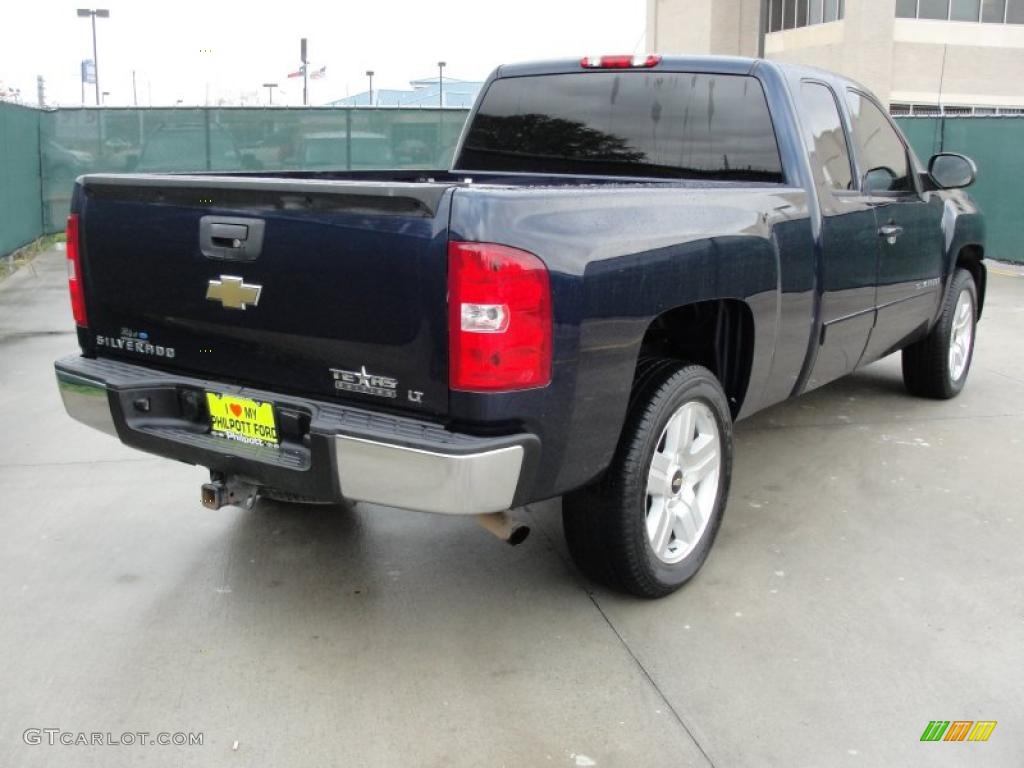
(867, 580)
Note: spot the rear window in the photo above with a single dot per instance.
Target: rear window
(671, 125)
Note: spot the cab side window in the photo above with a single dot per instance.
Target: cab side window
(830, 157)
(883, 157)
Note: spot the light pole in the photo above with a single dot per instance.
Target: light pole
(369, 74)
(440, 83)
(270, 89)
(103, 13)
(305, 74)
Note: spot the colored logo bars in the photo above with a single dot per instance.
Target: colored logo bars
(958, 730)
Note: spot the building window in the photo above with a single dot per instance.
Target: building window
(965, 10)
(933, 9)
(789, 14)
(993, 11)
(950, 110)
(988, 11)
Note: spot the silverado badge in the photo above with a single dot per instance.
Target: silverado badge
(233, 292)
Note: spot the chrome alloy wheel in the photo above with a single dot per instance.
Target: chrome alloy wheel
(682, 484)
(961, 335)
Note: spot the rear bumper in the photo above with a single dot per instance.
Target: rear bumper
(328, 451)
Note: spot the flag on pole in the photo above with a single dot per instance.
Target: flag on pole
(296, 73)
(318, 74)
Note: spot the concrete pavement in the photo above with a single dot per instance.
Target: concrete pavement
(867, 580)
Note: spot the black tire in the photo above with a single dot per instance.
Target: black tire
(926, 365)
(606, 523)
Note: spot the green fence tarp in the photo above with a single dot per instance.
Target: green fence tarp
(76, 141)
(41, 152)
(21, 215)
(995, 144)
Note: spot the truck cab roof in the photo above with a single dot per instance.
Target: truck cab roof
(727, 65)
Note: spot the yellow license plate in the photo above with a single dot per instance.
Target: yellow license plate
(242, 419)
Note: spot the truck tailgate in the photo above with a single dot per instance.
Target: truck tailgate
(324, 288)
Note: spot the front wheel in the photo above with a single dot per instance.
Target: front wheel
(648, 525)
(937, 365)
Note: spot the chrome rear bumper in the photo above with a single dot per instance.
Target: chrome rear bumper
(342, 457)
(427, 481)
(86, 401)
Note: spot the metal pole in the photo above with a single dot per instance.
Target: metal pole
(95, 58)
(762, 27)
(206, 125)
(348, 139)
(369, 74)
(135, 90)
(305, 75)
(440, 84)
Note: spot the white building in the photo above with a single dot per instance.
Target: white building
(962, 55)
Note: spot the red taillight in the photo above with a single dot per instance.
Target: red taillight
(499, 318)
(619, 62)
(75, 273)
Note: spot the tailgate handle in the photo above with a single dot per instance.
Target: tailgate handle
(230, 237)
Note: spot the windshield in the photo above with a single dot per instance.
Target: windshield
(674, 125)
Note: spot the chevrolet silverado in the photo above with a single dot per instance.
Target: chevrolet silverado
(628, 255)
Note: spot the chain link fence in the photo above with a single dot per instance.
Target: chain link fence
(21, 212)
(996, 144)
(41, 152)
(155, 140)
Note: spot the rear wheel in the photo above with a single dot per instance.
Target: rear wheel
(648, 525)
(937, 365)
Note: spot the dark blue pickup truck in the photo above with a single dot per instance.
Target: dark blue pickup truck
(629, 254)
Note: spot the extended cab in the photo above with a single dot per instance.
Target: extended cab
(629, 254)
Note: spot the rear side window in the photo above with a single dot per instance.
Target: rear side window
(827, 143)
(670, 125)
(883, 158)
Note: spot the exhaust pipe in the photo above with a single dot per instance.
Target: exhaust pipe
(504, 527)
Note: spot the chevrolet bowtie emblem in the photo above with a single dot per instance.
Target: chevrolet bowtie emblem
(233, 292)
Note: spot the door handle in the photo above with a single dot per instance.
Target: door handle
(890, 232)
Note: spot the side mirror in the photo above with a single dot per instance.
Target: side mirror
(949, 170)
(879, 179)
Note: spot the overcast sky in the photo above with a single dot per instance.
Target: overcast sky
(257, 41)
